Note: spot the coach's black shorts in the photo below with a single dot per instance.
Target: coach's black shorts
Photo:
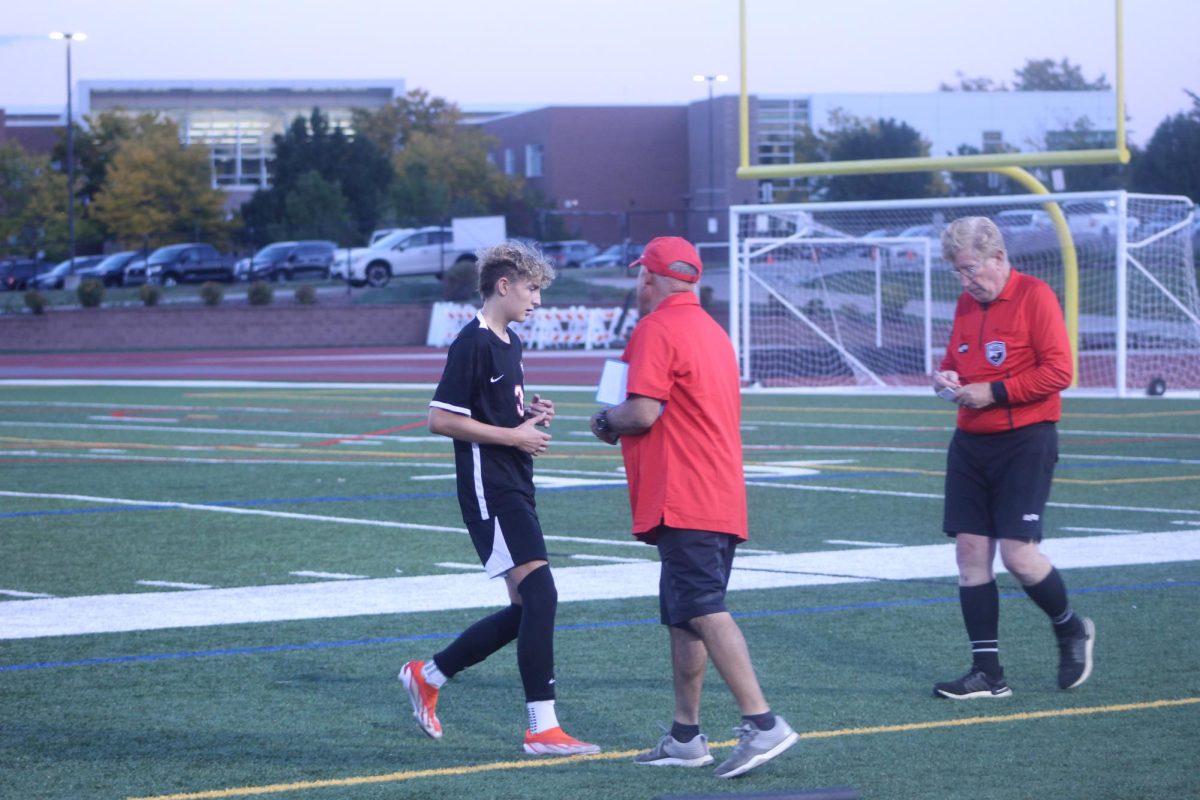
(997, 484)
(508, 539)
(695, 573)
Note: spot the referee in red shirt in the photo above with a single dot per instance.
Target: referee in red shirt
(1007, 361)
(679, 430)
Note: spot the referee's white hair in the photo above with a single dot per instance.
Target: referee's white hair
(978, 235)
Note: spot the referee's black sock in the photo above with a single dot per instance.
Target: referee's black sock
(981, 614)
(479, 641)
(1051, 597)
(535, 640)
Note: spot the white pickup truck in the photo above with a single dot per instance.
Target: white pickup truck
(417, 251)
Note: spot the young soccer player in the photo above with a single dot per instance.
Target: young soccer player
(480, 404)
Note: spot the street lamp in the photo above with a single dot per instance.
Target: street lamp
(712, 190)
(69, 37)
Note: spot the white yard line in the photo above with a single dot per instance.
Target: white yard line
(73, 616)
(856, 543)
(173, 585)
(334, 576)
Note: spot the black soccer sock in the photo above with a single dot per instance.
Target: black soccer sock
(981, 614)
(535, 640)
(764, 721)
(479, 641)
(684, 733)
(1051, 597)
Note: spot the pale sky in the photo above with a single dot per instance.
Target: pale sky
(583, 52)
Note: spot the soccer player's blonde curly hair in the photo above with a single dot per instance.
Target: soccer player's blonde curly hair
(513, 260)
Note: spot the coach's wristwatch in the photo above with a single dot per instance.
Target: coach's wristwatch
(602, 422)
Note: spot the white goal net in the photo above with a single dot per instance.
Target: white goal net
(857, 294)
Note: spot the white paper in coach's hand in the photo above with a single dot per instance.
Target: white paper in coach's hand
(611, 390)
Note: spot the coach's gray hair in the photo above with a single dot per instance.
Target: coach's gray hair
(977, 235)
(512, 260)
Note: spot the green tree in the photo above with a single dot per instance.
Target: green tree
(859, 139)
(977, 184)
(1044, 75)
(1038, 75)
(316, 209)
(157, 191)
(967, 83)
(1170, 164)
(33, 206)
(361, 172)
(448, 174)
(391, 127)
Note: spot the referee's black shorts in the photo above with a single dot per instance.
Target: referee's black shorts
(695, 573)
(997, 484)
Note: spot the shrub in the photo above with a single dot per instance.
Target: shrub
(212, 293)
(306, 295)
(150, 294)
(461, 282)
(260, 294)
(35, 301)
(90, 293)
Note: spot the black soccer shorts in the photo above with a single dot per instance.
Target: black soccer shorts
(508, 539)
(997, 484)
(695, 573)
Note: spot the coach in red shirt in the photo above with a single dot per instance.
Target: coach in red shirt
(1007, 361)
(679, 430)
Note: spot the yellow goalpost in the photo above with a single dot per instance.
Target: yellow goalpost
(1011, 165)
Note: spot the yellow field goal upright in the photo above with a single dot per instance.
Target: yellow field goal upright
(1011, 165)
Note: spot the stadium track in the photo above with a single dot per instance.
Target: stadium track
(316, 365)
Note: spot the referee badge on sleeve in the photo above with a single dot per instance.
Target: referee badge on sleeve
(995, 352)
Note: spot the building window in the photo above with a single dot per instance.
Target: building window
(993, 142)
(510, 161)
(533, 160)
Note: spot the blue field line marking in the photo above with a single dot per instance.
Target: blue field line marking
(580, 626)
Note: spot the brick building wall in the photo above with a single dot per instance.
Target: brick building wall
(199, 328)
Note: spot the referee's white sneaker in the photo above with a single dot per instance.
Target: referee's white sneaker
(756, 747)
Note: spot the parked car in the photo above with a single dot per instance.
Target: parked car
(570, 253)
(420, 251)
(617, 255)
(57, 277)
(1092, 220)
(1027, 231)
(135, 270)
(287, 260)
(193, 262)
(380, 233)
(111, 270)
(17, 273)
(911, 252)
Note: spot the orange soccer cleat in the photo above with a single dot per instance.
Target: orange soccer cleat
(556, 742)
(423, 696)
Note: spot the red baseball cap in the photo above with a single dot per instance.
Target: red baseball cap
(664, 251)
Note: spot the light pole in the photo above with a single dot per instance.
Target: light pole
(69, 37)
(712, 189)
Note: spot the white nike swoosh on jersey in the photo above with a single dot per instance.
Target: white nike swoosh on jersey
(498, 377)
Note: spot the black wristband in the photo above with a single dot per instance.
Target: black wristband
(999, 393)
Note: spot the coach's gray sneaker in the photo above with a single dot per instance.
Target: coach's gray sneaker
(756, 747)
(1075, 656)
(670, 752)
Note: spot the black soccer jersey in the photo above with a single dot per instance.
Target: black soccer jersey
(484, 379)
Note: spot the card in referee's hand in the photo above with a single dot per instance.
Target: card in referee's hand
(611, 390)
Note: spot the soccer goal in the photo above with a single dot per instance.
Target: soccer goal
(828, 295)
